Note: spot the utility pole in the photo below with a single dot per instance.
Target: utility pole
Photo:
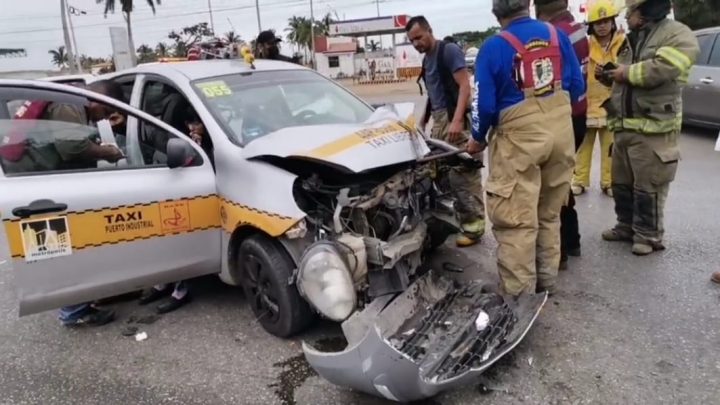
(212, 23)
(66, 35)
(377, 3)
(257, 9)
(73, 11)
(312, 35)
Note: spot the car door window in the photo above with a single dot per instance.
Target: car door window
(706, 44)
(53, 136)
(170, 106)
(715, 55)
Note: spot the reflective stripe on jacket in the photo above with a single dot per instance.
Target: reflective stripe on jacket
(658, 60)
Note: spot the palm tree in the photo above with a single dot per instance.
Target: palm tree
(373, 46)
(59, 57)
(146, 54)
(232, 38)
(127, 8)
(299, 33)
(161, 50)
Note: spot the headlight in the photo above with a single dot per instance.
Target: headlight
(324, 280)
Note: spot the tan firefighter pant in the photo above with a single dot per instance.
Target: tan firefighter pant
(532, 154)
(643, 166)
(466, 183)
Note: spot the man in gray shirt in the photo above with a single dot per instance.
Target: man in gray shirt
(448, 85)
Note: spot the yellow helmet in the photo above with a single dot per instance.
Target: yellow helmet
(602, 9)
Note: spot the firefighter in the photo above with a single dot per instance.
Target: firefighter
(645, 112)
(605, 43)
(556, 13)
(526, 78)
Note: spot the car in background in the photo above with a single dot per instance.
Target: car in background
(702, 91)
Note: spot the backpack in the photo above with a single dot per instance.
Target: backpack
(452, 90)
(14, 144)
(540, 68)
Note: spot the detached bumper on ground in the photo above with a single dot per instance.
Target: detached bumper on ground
(435, 336)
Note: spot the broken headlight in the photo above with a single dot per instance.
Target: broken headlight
(324, 280)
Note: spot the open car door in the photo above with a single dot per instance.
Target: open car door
(79, 228)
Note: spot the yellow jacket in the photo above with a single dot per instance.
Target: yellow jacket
(597, 93)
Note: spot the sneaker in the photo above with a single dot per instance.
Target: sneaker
(607, 191)
(93, 317)
(153, 295)
(172, 304)
(577, 189)
(617, 235)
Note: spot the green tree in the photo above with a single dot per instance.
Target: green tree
(127, 8)
(189, 36)
(474, 38)
(146, 54)
(232, 38)
(161, 49)
(373, 46)
(59, 57)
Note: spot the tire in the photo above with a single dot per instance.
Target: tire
(265, 269)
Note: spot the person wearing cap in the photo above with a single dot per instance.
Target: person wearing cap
(267, 45)
(645, 113)
(556, 13)
(605, 42)
(526, 77)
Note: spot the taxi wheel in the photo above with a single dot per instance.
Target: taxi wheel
(265, 269)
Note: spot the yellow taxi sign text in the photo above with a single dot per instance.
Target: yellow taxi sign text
(215, 89)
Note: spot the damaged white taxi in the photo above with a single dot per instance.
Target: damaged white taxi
(311, 200)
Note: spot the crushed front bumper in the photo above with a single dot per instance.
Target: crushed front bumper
(426, 340)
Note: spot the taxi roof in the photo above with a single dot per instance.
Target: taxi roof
(200, 69)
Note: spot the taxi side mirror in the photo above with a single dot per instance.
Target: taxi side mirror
(179, 153)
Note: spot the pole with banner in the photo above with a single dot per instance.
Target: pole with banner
(121, 48)
(66, 35)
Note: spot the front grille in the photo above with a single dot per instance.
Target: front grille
(447, 330)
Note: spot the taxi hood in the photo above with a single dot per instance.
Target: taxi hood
(386, 138)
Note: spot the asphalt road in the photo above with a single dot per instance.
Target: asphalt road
(621, 330)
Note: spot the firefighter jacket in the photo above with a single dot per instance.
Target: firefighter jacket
(658, 60)
(597, 92)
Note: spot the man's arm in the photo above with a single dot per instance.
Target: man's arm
(455, 61)
(484, 106)
(671, 61)
(573, 79)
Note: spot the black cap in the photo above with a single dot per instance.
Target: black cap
(267, 37)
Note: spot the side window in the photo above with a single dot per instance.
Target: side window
(706, 43)
(715, 55)
(170, 106)
(69, 134)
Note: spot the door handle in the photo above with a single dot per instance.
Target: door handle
(707, 80)
(38, 207)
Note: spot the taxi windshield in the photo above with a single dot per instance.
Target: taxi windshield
(250, 106)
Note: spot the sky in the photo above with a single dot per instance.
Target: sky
(36, 26)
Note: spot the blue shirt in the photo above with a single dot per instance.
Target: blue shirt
(495, 88)
(454, 59)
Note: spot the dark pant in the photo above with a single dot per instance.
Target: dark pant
(569, 226)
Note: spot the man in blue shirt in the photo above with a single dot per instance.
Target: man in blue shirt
(526, 78)
(448, 84)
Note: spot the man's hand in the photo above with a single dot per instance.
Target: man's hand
(598, 71)
(111, 153)
(474, 146)
(455, 131)
(619, 75)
